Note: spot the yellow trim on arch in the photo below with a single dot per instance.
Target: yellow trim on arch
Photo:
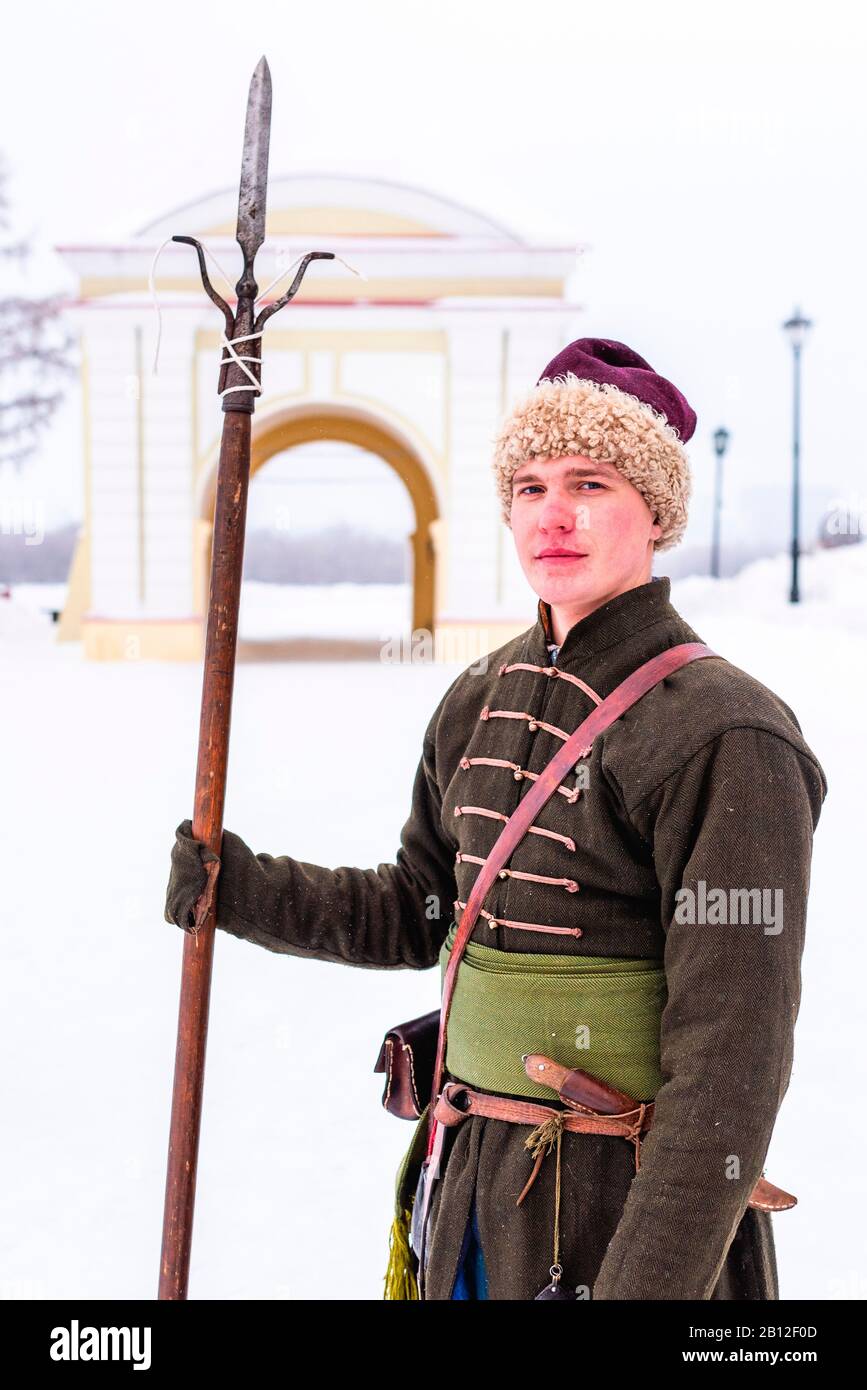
(341, 342)
(412, 289)
(333, 221)
(279, 433)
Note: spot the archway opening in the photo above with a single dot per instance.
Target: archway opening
(339, 556)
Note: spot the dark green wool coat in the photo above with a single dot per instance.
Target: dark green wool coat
(707, 778)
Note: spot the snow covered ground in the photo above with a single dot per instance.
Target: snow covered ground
(295, 1194)
(273, 611)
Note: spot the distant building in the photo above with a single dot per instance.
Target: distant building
(418, 363)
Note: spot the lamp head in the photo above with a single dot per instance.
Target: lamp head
(797, 328)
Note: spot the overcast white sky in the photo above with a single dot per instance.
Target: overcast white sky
(712, 155)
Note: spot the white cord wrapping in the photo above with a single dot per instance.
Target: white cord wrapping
(226, 342)
(233, 357)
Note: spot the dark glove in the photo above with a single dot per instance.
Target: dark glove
(191, 883)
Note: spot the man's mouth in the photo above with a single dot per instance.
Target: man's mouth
(558, 553)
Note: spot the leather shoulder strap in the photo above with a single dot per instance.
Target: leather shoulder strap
(577, 746)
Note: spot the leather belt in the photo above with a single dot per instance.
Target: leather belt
(458, 1100)
(630, 1124)
(548, 1122)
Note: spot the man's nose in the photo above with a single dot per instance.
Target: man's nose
(557, 513)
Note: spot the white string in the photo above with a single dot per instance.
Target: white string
(233, 357)
(153, 289)
(225, 341)
(284, 273)
(228, 283)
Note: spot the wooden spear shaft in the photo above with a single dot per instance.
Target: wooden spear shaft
(220, 646)
(239, 384)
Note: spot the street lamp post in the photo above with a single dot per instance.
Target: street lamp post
(720, 443)
(797, 328)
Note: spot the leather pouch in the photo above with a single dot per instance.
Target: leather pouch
(407, 1058)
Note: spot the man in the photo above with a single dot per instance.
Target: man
(648, 928)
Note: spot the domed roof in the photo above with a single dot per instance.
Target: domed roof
(334, 205)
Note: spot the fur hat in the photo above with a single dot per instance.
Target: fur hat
(600, 399)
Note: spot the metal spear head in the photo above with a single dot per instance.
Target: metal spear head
(241, 323)
(252, 195)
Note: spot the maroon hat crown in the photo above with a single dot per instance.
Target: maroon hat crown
(603, 360)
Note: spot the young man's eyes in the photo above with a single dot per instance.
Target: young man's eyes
(528, 487)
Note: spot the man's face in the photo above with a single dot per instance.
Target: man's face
(592, 513)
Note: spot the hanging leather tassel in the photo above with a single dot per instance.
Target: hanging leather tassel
(400, 1277)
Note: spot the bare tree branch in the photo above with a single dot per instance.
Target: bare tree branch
(35, 350)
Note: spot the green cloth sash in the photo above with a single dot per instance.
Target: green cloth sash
(599, 1013)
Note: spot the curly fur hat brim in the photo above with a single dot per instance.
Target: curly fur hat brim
(602, 422)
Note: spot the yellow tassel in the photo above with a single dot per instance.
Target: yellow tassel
(546, 1133)
(400, 1280)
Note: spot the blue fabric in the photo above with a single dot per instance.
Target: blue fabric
(471, 1281)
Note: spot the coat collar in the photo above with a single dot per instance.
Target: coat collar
(607, 625)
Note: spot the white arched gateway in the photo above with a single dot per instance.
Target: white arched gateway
(416, 363)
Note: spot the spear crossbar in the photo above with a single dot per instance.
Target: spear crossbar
(239, 384)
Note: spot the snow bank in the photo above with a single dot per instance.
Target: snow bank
(295, 1178)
